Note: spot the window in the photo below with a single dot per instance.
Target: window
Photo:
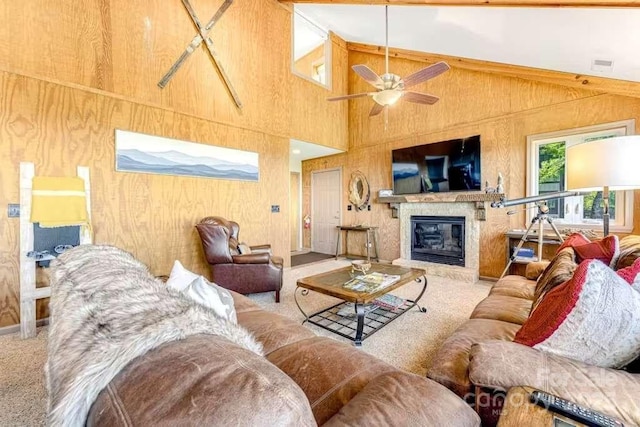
(546, 168)
(311, 50)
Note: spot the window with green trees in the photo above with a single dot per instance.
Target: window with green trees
(547, 155)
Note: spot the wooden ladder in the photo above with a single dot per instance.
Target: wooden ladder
(28, 291)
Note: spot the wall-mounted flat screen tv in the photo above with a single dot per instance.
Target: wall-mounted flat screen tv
(438, 167)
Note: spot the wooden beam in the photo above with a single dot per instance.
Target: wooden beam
(576, 81)
(498, 3)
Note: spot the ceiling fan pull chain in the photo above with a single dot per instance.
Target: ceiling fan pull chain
(386, 51)
(386, 118)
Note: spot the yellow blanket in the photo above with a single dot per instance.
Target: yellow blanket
(59, 201)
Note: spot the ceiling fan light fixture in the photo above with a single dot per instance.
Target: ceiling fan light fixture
(391, 87)
(387, 97)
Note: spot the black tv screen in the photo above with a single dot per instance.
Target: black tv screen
(438, 167)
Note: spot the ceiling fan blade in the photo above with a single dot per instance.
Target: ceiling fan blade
(425, 74)
(368, 74)
(376, 109)
(340, 98)
(420, 98)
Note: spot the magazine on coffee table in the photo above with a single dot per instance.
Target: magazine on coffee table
(371, 282)
(388, 301)
(349, 310)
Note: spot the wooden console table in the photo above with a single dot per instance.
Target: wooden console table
(370, 233)
(550, 242)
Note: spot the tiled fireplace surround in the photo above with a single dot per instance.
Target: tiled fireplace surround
(468, 273)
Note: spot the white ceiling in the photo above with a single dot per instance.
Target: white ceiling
(307, 36)
(300, 150)
(561, 39)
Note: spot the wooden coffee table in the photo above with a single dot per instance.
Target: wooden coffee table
(361, 324)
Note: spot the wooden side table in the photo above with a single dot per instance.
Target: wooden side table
(519, 412)
(370, 233)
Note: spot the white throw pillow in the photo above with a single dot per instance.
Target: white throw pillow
(180, 277)
(213, 296)
(202, 291)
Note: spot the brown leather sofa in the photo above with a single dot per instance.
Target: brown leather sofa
(479, 362)
(302, 380)
(250, 273)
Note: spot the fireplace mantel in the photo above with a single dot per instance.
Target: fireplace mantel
(476, 197)
(450, 197)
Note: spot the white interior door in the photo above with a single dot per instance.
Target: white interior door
(326, 190)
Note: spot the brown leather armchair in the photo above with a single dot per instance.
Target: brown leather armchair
(254, 272)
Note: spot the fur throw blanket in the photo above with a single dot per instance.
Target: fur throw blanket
(106, 310)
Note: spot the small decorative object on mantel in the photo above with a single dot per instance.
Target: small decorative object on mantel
(500, 185)
(385, 193)
(498, 189)
(203, 35)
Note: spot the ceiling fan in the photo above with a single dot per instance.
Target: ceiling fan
(392, 87)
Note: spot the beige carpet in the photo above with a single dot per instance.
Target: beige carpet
(409, 342)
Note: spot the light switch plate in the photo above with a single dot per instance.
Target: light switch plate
(275, 208)
(13, 210)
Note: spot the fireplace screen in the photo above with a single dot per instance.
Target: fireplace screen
(438, 239)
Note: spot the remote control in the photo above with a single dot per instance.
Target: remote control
(571, 410)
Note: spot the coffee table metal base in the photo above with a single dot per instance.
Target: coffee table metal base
(360, 325)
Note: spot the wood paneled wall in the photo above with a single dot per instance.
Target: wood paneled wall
(125, 47)
(94, 68)
(502, 110)
(152, 216)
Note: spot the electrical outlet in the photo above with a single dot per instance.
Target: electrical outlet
(275, 208)
(368, 207)
(349, 207)
(13, 210)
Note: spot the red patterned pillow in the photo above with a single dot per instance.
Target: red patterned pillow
(594, 317)
(606, 250)
(575, 239)
(631, 274)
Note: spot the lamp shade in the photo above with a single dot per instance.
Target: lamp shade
(612, 162)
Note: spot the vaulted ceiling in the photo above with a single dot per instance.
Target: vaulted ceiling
(573, 40)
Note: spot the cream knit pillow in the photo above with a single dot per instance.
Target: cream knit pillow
(594, 317)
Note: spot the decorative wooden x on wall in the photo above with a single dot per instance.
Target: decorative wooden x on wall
(203, 35)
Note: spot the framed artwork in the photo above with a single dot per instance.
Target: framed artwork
(138, 152)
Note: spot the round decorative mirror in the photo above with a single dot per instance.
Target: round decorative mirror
(359, 190)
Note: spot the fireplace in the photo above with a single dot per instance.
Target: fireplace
(438, 239)
(466, 271)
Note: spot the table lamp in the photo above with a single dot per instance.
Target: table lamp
(604, 164)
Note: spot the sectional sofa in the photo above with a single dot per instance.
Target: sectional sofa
(480, 362)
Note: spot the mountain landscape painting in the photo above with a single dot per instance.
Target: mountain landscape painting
(137, 152)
